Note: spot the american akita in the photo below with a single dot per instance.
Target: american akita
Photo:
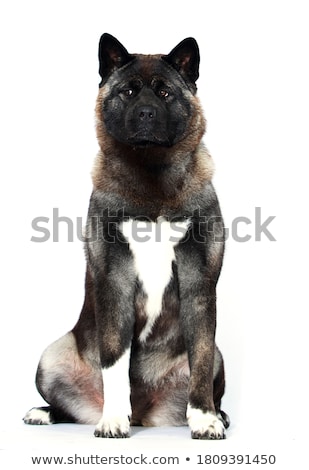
(143, 350)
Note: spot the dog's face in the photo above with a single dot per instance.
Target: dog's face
(147, 100)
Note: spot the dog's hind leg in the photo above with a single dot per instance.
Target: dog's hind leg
(47, 415)
(69, 383)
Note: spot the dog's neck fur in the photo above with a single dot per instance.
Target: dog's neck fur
(152, 174)
(146, 175)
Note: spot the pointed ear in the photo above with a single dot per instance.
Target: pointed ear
(185, 58)
(112, 55)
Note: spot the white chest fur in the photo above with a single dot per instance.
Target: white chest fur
(152, 245)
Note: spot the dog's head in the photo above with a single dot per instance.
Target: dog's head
(147, 100)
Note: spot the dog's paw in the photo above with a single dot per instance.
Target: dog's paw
(115, 427)
(205, 425)
(224, 418)
(38, 416)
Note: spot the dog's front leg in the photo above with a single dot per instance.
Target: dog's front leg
(110, 264)
(115, 420)
(114, 289)
(197, 284)
(115, 319)
(201, 414)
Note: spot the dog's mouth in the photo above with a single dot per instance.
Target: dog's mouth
(148, 139)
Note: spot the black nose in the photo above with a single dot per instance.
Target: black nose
(146, 113)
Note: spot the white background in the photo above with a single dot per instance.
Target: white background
(254, 89)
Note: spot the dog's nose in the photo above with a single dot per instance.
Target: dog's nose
(146, 113)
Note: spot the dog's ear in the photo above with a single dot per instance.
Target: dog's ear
(112, 55)
(185, 58)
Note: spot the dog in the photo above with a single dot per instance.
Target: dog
(143, 351)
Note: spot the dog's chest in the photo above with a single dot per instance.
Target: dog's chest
(152, 245)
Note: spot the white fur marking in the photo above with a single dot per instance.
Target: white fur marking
(117, 406)
(37, 416)
(152, 245)
(203, 423)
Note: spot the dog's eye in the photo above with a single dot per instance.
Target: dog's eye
(128, 92)
(163, 93)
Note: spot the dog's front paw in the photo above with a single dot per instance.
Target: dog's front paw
(116, 427)
(205, 425)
